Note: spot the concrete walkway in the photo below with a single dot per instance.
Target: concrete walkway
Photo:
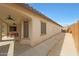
(60, 45)
(43, 48)
(68, 48)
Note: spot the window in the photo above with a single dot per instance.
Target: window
(12, 28)
(43, 28)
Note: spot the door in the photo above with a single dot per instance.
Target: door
(26, 29)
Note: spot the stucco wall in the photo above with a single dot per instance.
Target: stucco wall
(51, 29)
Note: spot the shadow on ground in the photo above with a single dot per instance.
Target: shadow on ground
(56, 49)
(4, 50)
(20, 48)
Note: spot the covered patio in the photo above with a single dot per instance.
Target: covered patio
(15, 30)
(14, 25)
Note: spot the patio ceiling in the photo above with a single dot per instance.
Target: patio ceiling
(6, 13)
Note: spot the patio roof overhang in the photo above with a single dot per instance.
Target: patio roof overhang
(10, 16)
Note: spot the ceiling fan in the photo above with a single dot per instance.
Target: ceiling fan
(10, 18)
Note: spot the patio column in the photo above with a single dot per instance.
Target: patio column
(19, 31)
(5, 29)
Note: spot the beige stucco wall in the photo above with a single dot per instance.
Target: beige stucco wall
(21, 13)
(51, 29)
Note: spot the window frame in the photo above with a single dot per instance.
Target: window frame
(43, 28)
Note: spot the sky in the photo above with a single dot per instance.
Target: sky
(62, 13)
